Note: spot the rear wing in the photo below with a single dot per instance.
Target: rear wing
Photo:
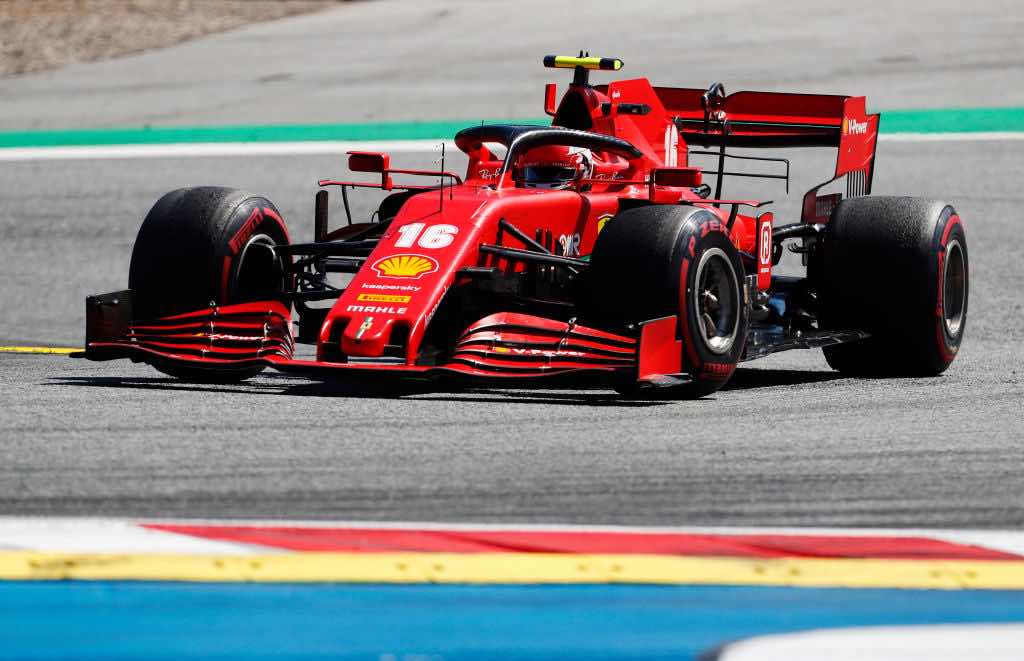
(782, 120)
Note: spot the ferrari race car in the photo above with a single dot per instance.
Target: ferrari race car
(589, 247)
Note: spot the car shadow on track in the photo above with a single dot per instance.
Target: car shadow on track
(747, 378)
(568, 393)
(276, 384)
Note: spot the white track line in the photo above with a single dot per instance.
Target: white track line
(107, 536)
(946, 642)
(216, 149)
(951, 137)
(227, 149)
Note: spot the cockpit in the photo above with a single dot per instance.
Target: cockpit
(543, 156)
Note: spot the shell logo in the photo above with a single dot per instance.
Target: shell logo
(404, 266)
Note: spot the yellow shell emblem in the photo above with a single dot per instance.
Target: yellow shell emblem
(404, 266)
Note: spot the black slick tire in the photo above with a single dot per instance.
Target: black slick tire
(896, 268)
(201, 246)
(660, 260)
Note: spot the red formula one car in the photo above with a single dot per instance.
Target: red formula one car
(590, 246)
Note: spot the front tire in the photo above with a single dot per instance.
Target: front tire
(897, 268)
(202, 246)
(661, 260)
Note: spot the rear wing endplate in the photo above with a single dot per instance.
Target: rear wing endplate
(783, 120)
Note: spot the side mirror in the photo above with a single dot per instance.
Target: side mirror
(677, 177)
(370, 161)
(671, 178)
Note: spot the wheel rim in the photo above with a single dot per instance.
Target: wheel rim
(259, 273)
(954, 288)
(717, 300)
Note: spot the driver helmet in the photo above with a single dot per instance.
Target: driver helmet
(556, 166)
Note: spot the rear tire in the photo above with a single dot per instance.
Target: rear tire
(661, 260)
(897, 268)
(207, 246)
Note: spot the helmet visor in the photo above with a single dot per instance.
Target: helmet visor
(548, 176)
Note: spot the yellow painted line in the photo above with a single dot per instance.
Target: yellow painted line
(515, 568)
(62, 350)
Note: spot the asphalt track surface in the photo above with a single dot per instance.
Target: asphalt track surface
(787, 443)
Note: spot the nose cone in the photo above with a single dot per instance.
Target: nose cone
(367, 333)
(387, 305)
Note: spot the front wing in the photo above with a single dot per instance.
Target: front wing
(503, 347)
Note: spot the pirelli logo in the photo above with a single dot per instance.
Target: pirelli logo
(383, 298)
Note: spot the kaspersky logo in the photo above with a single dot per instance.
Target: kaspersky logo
(853, 127)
